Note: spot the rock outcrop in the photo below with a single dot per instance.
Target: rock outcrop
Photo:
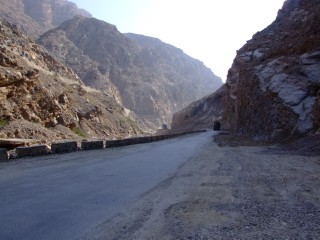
(201, 114)
(35, 17)
(273, 87)
(43, 99)
(151, 78)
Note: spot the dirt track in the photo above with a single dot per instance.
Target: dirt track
(228, 193)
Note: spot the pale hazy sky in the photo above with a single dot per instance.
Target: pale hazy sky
(209, 30)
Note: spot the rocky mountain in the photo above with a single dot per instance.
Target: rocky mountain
(35, 17)
(273, 86)
(43, 99)
(153, 79)
(201, 114)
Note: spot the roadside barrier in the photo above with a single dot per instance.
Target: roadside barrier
(92, 145)
(141, 140)
(64, 147)
(32, 151)
(71, 146)
(3, 154)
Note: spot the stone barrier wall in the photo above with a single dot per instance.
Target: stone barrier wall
(36, 150)
(3, 154)
(92, 145)
(70, 146)
(139, 140)
(64, 147)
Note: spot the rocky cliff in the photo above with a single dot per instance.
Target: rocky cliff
(273, 87)
(153, 79)
(35, 17)
(201, 114)
(43, 99)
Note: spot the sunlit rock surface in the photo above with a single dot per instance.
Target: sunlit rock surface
(273, 85)
(43, 99)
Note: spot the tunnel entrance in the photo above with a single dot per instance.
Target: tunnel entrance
(216, 126)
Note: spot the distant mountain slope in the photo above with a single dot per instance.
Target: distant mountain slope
(43, 99)
(35, 17)
(201, 114)
(167, 59)
(153, 79)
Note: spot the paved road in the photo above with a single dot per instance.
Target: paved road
(243, 193)
(66, 196)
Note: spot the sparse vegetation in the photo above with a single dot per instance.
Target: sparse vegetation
(79, 132)
(3, 123)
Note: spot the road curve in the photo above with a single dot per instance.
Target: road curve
(66, 196)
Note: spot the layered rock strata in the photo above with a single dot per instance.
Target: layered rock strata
(273, 86)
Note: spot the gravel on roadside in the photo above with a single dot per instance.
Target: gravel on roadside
(244, 192)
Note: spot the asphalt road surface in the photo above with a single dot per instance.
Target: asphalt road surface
(66, 196)
(243, 193)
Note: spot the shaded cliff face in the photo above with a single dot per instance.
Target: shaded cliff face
(183, 79)
(152, 78)
(43, 99)
(273, 86)
(201, 114)
(35, 17)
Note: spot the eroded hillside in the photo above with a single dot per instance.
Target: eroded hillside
(43, 99)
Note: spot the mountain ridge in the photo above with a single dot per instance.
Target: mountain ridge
(35, 17)
(147, 78)
(151, 78)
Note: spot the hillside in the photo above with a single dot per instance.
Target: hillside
(153, 79)
(35, 17)
(43, 99)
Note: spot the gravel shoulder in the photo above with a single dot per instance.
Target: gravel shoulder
(243, 192)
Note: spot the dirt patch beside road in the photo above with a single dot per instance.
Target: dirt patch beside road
(228, 193)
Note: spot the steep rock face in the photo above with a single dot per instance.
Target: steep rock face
(273, 87)
(152, 78)
(43, 99)
(35, 17)
(183, 78)
(201, 114)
